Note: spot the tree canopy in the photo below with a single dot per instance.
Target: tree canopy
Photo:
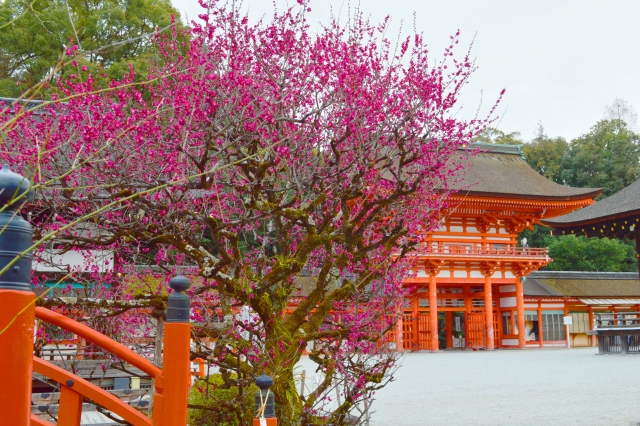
(493, 135)
(269, 163)
(111, 35)
(571, 253)
(607, 157)
(544, 154)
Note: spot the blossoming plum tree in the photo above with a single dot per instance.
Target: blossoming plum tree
(257, 153)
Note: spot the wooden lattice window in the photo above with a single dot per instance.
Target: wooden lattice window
(553, 325)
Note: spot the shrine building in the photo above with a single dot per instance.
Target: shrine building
(468, 285)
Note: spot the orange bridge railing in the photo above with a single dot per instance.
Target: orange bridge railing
(172, 382)
(170, 402)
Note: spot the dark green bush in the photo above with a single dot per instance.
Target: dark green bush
(222, 406)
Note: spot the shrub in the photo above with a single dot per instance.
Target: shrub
(222, 404)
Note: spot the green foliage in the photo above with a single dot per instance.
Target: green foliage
(572, 253)
(607, 157)
(492, 135)
(224, 404)
(539, 237)
(544, 155)
(109, 32)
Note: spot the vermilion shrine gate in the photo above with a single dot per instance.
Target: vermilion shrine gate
(474, 267)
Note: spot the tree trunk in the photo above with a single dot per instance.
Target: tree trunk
(287, 401)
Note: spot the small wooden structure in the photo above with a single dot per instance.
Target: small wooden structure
(580, 295)
(615, 217)
(618, 334)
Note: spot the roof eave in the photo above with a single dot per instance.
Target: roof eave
(590, 221)
(573, 197)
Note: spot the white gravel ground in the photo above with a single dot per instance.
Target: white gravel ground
(512, 387)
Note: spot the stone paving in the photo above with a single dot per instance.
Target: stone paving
(512, 387)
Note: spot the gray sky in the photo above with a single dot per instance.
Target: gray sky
(561, 61)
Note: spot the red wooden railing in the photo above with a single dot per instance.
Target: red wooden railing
(171, 383)
(477, 250)
(74, 388)
(17, 317)
(98, 339)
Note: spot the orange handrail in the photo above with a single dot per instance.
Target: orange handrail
(98, 339)
(91, 391)
(172, 382)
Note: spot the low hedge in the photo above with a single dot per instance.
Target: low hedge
(212, 403)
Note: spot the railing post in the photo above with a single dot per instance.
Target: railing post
(624, 343)
(265, 406)
(17, 307)
(601, 344)
(176, 369)
(70, 411)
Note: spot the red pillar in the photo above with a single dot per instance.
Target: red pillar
(567, 328)
(520, 307)
(449, 322)
(17, 306)
(16, 367)
(177, 372)
(467, 311)
(540, 327)
(399, 326)
(269, 421)
(488, 306)
(433, 312)
(70, 411)
(414, 324)
(176, 365)
(593, 338)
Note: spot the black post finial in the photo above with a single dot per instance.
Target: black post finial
(265, 397)
(15, 189)
(15, 233)
(179, 304)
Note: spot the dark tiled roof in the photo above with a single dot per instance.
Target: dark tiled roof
(582, 284)
(622, 203)
(533, 287)
(27, 104)
(500, 170)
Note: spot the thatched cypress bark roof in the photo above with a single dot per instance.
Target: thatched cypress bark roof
(501, 171)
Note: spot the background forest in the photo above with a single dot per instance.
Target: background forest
(608, 157)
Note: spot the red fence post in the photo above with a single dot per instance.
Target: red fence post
(17, 307)
(176, 365)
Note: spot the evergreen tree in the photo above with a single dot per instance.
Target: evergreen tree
(607, 157)
(110, 35)
(544, 154)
